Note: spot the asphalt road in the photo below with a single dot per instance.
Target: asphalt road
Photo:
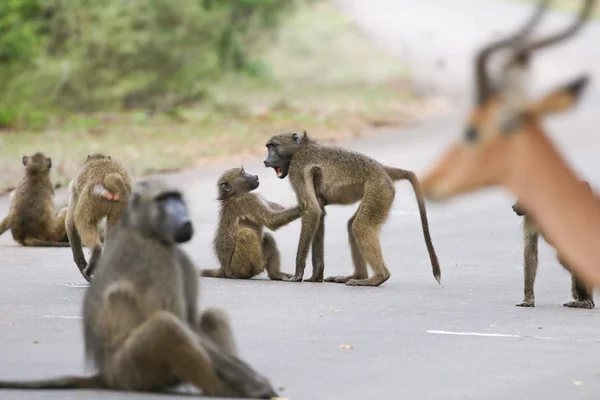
(411, 337)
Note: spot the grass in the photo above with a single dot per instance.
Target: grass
(565, 6)
(326, 77)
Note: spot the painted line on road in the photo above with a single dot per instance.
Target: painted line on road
(63, 316)
(504, 335)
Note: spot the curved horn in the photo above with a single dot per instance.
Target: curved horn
(588, 6)
(482, 79)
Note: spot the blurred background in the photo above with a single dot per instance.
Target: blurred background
(169, 84)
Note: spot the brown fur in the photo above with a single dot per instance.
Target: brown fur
(32, 217)
(91, 199)
(142, 329)
(243, 248)
(329, 175)
(582, 293)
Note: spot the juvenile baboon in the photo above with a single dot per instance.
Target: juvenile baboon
(32, 217)
(329, 175)
(99, 190)
(582, 292)
(142, 330)
(241, 246)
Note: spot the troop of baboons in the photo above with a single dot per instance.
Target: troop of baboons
(142, 327)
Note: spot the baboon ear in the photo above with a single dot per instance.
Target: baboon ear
(49, 161)
(88, 156)
(24, 160)
(295, 137)
(562, 98)
(225, 187)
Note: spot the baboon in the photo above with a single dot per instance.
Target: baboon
(99, 190)
(241, 246)
(582, 292)
(322, 175)
(142, 330)
(32, 217)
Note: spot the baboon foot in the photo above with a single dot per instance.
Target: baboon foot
(344, 278)
(294, 278)
(375, 280)
(588, 303)
(314, 279)
(280, 276)
(527, 302)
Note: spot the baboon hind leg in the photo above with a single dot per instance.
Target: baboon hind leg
(272, 258)
(358, 260)
(59, 228)
(582, 293)
(177, 354)
(33, 242)
(5, 224)
(247, 258)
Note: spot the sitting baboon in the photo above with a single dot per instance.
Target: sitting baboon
(330, 175)
(99, 190)
(32, 217)
(241, 246)
(583, 294)
(142, 330)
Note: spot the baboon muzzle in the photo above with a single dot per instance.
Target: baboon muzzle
(178, 220)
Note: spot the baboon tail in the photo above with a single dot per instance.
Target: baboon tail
(398, 174)
(212, 273)
(5, 225)
(67, 382)
(114, 183)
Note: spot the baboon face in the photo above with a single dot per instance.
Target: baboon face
(281, 149)
(158, 210)
(236, 181)
(36, 163)
(518, 209)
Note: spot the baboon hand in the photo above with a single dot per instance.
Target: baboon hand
(295, 278)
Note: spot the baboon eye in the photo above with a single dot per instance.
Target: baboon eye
(471, 134)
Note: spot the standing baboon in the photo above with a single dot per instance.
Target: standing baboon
(329, 175)
(99, 190)
(32, 217)
(241, 246)
(142, 330)
(581, 292)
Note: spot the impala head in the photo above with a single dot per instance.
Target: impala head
(502, 113)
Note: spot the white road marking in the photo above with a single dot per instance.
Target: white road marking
(438, 332)
(63, 316)
(76, 284)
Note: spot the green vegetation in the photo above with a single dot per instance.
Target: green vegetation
(166, 84)
(565, 5)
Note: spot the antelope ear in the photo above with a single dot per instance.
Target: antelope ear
(560, 99)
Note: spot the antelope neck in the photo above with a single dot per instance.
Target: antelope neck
(561, 206)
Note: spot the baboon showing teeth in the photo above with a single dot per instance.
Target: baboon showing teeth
(99, 190)
(32, 217)
(583, 294)
(142, 329)
(329, 175)
(243, 249)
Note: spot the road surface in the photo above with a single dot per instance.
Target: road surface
(411, 338)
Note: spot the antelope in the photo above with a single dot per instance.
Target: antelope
(504, 144)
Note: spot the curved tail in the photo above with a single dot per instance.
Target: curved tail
(398, 174)
(67, 382)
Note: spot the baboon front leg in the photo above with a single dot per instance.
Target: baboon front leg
(358, 260)
(318, 252)
(217, 338)
(272, 258)
(582, 293)
(530, 263)
(176, 353)
(5, 224)
(88, 272)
